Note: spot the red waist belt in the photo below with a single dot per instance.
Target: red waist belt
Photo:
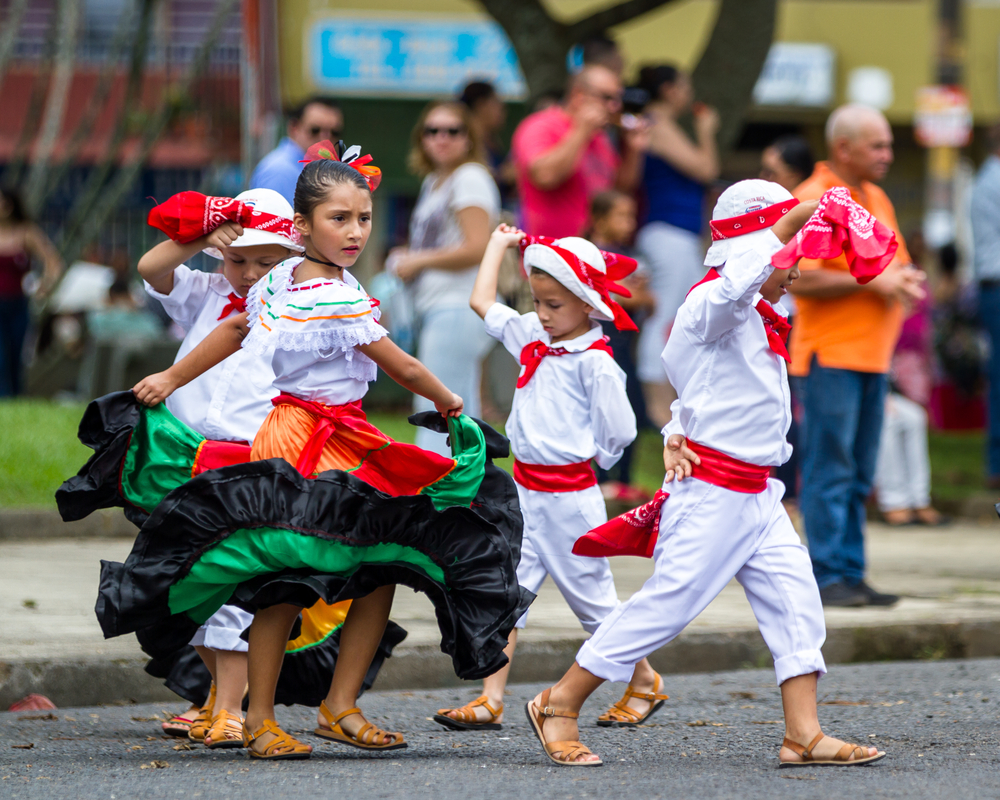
(719, 469)
(560, 478)
(349, 415)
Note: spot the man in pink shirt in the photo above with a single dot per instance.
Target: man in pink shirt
(564, 157)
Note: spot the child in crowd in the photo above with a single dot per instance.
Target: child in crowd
(228, 403)
(316, 326)
(612, 226)
(726, 356)
(569, 407)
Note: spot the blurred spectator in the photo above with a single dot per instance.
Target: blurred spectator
(612, 225)
(457, 209)
(122, 318)
(676, 172)
(564, 157)
(603, 51)
(986, 241)
(313, 120)
(787, 162)
(841, 347)
(957, 342)
(20, 240)
(488, 115)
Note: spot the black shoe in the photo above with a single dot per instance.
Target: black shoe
(844, 596)
(873, 598)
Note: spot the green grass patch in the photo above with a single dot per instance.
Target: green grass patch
(957, 464)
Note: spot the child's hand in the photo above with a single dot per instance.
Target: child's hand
(224, 235)
(678, 458)
(154, 389)
(508, 235)
(452, 408)
(786, 227)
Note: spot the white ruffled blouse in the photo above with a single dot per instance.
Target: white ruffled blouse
(313, 328)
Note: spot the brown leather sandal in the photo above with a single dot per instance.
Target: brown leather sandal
(568, 750)
(282, 748)
(203, 721)
(178, 725)
(226, 731)
(467, 721)
(622, 715)
(364, 739)
(841, 759)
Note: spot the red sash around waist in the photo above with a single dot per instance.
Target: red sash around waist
(349, 414)
(719, 469)
(559, 478)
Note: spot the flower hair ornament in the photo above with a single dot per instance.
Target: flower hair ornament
(327, 151)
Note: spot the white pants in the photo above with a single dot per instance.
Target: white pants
(553, 521)
(222, 630)
(903, 472)
(709, 535)
(675, 258)
(453, 343)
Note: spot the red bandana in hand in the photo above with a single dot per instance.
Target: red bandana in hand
(633, 533)
(616, 266)
(776, 326)
(236, 304)
(190, 215)
(840, 225)
(533, 353)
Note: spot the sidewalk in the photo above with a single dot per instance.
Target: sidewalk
(949, 579)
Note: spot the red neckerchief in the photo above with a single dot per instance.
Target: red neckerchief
(775, 325)
(190, 215)
(616, 266)
(236, 303)
(753, 221)
(533, 353)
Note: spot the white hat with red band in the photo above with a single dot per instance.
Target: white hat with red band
(549, 261)
(270, 202)
(742, 217)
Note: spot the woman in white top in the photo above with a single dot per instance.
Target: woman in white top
(458, 207)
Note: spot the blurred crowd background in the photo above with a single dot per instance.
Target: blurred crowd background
(109, 106)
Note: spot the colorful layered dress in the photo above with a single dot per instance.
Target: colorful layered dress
(329, 508)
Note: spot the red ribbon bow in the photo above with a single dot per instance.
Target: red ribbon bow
(190, 215)
(326, 151)
(533, 353)
(750, 222)
(840, 225)
(236, 303)
(616, 267)
(776, 326)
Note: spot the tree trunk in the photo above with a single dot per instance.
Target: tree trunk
(68, 19)
(11, 27)
(732, 62)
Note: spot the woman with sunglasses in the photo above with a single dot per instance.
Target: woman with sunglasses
(458, 207)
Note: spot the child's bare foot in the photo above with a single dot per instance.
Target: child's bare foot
(552, 722)
(826, 750)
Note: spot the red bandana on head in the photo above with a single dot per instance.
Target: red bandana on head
(840, 225)
(617, 267)
(751, 222)
(326, 151)
(190, 215)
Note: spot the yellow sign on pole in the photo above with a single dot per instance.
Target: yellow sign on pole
(943, 117)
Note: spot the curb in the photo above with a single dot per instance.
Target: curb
(96, 681)
(32, 524)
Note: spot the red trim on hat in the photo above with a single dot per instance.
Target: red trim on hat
(617, 266)
(751, 222)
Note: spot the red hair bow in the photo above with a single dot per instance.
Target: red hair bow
(190, 215)
(326, 151)
(616, 266)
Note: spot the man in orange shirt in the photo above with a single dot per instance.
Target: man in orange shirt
(841, 345)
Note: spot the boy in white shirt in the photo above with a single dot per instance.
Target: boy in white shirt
(726, 357)
(227, 403)
(570, 406)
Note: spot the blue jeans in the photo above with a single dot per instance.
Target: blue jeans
(841, 426)
(13, 327)
(989, 312)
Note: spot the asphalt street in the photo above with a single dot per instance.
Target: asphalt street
(717, 737)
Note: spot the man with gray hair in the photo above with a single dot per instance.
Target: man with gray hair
(985, 215)
(841, 346)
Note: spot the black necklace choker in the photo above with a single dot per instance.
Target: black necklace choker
(321, 261)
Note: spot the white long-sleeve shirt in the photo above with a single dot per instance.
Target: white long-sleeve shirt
(230, 401)
(732, 389)
(574, 408)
